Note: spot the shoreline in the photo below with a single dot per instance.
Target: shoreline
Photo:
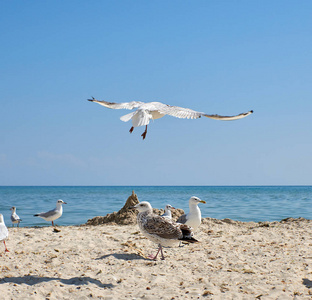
(204, 220)
(240, 260)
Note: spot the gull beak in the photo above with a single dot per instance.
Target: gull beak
(131, 207)
(202, 201)
(64, 202)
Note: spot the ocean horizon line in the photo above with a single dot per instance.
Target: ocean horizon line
(264, 185)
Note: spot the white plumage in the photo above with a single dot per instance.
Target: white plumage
(193, 218)
(15, 219)
(154, 110)
(53, 214)
(4, 233)
(167, 213)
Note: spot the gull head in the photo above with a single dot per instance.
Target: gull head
(169, 207)
(13, 208)
(195, 200)
(143, 206)
(60, 202)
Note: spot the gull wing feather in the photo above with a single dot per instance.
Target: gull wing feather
(162, 227)
(182, 219)
(113, 105)
(187, 113)
(48, 213)
(179, 112)
(229, 118)
(15, 218)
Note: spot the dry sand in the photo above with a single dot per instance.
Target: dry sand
(234, 260)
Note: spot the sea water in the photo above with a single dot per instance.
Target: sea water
(242, 203)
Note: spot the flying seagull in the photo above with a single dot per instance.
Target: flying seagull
(154, 110)
(14, 217)
(160, 230)
(4, 233)
(193, 218)
(53, 214)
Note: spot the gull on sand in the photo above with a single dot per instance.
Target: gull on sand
(167, 213)
(193, 218)
(14, 217)
(4, 233)
(160, 230)
(154, 110)
(53, 214)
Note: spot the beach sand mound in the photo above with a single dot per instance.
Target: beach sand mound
(126, 216)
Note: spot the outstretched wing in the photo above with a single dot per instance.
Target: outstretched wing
(113, 105)
(178, 112)
(229, 118)
(187, 113)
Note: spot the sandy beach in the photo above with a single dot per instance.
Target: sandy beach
(234, 260)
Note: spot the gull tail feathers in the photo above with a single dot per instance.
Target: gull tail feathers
(127, 117)
(187, 234)
(189, 240)
(141, 118)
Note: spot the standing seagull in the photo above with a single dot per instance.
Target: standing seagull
(162, 231)
(154, 110)
(14, 217)
(4, 233)
(167, 213)
(193, 218)
(53, 214)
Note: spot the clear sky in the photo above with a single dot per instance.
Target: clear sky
(223, 57)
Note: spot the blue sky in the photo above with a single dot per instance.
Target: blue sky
(223, 57)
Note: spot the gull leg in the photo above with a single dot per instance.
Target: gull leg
(181, 244)
(162, 254)
(131, 129)
(155, 257)
(6, 249)
(144, 133)
(52, 223)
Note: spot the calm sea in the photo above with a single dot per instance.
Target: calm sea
(243, 203)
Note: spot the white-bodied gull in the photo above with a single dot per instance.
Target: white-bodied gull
(53, 214)
(4, 233)
(193, 218)
(167, 213)
(14, 217)
(154, 110)
(160, 230)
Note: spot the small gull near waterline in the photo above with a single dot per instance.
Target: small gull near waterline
(155, 110)
(193, 218)
(4, 233)
(14, 217)
(160, 230)
(53, 214)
